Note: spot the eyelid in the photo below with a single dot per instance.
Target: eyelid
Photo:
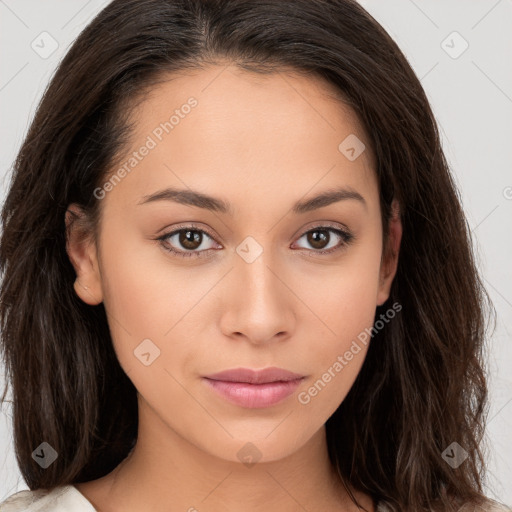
(192, 226)
(326, 224)
(340, 229)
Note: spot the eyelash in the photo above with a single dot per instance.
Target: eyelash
(346, 237)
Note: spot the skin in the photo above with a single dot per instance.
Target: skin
(261, 143)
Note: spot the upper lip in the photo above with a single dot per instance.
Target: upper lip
(250, 376)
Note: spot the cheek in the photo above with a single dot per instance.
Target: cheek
(149, 297)
(139, 282)
(344, 300)
(336, 357)
(343, 295)
(139, 304)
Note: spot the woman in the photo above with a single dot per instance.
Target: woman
(232, 254)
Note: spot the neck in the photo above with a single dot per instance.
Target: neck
(164, 471)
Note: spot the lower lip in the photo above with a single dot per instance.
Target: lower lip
(254, 395)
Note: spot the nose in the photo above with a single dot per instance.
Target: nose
(258, 304)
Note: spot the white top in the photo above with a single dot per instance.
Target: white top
(67, 498)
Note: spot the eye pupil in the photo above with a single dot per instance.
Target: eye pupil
(189, 239)
(319, 242)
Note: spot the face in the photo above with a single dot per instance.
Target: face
(259, 277)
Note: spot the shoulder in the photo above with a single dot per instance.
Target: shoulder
(490, 506)
(65, 498)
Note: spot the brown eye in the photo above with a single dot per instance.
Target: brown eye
(319, 239)
(190, 239)
(186, 242)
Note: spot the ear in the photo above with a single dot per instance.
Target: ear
(81, 249)
(389, 261)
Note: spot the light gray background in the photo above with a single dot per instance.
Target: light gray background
(471, 96)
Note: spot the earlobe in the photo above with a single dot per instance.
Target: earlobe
(86, 294)
(81, 249)
(389, 263)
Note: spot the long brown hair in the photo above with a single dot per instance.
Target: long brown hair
(422, 385)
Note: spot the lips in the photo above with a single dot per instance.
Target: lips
(247, 375)
(254, 388)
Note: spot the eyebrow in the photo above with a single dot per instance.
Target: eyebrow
(214, 204)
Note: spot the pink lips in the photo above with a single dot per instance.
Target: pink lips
(254, 388)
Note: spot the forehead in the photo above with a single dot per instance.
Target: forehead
(244, 99)
(222, 128)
